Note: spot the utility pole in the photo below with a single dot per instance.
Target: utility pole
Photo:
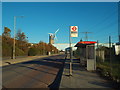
(119, 21)
(97, 43)
(15, 35)
(86, 35)
(110, 53)
(119, 37)
(70, 41)
(109, 41)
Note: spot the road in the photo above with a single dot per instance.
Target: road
(39, 73)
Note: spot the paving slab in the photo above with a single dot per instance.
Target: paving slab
(81, 78)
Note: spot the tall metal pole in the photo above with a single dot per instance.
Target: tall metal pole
(97, 43)
(119, 21)
(109, 41)
(86, 36)
(110, 53)
(14, 37)
(70, 41)
(95, 58)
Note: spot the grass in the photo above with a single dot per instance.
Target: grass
(110, 70)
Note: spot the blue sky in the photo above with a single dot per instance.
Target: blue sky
(60, 0)
(41, 18)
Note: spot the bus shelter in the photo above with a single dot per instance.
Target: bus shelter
(87, 55)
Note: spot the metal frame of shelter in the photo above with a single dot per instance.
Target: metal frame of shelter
(89, 54)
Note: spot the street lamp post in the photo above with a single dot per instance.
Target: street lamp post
(14, 35)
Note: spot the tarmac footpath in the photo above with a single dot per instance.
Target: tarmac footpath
(81, 78)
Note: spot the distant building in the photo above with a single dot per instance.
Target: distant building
(63, 46)
(117, 48)
(51, 39)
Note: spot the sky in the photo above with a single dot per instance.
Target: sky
(41, 18)
(60, 0)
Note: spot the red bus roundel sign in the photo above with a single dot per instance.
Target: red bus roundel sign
(74, 31)
(74, 28)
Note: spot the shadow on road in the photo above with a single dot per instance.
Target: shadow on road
(56, 63)
(52, 61)
(56, 82)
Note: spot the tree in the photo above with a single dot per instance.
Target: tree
(6, 32)
(21, 36)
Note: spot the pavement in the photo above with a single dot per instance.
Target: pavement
(81, 78)
(50, 72)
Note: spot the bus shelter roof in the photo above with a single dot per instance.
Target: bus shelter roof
(84, 43)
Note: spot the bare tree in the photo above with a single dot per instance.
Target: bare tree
(6, 32)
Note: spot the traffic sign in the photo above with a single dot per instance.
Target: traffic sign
(74, 31)
(74, 28)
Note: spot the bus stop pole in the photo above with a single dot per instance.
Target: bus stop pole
(70, 42)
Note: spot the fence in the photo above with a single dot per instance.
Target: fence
(108, 62)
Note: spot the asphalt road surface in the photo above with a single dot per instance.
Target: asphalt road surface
(38, 73)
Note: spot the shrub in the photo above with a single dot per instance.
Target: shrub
(114, 71)
(6, 50)
(32, 51)
(19, 52)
